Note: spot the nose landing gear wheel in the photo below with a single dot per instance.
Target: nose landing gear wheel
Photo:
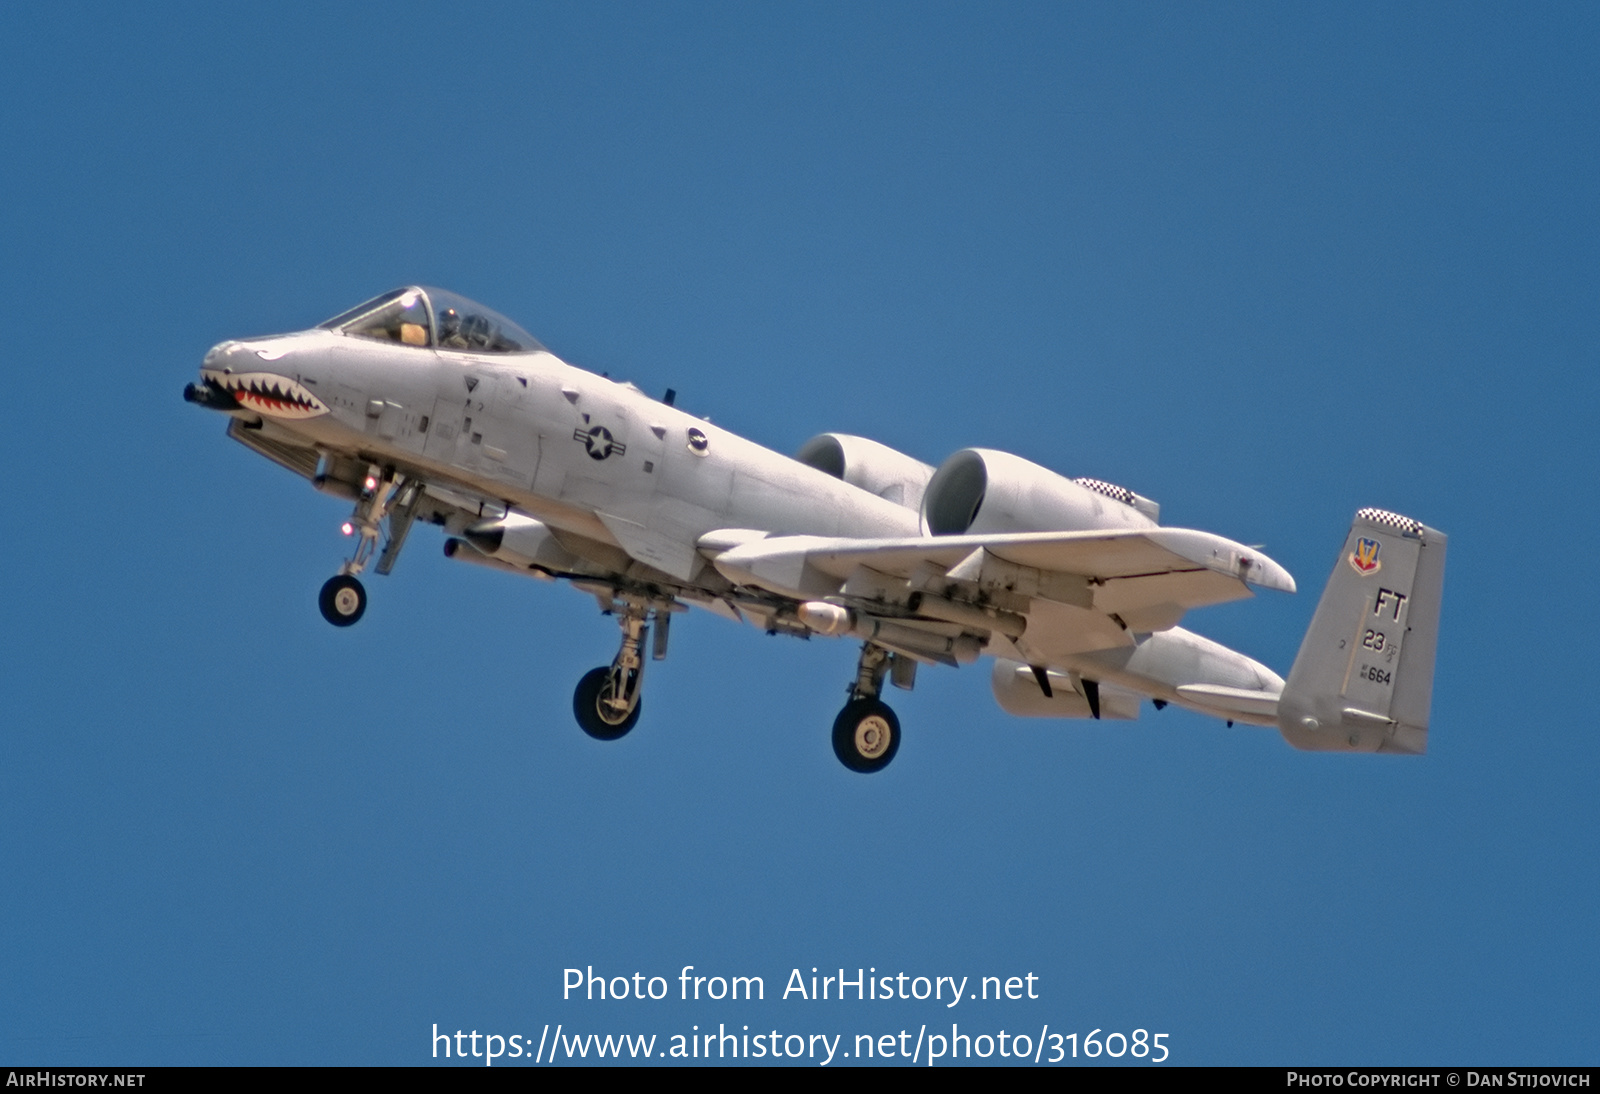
(596, 716)
(343, 601)
(866, 735)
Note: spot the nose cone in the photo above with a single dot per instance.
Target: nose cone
(217, 365)
(257, 376)
(234, 356)
(226, 356)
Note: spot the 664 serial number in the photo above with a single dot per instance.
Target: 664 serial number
(1140, 1043)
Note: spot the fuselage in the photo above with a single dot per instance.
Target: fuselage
(431, 388)
(585, 454)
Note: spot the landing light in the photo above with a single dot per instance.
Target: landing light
(347, 528)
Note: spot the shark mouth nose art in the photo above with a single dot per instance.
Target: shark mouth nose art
(270, 394)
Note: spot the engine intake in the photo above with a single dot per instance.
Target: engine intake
(875, 468)
(980, 491)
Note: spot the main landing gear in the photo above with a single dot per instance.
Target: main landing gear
(866, 735)
(384, 496)
(343, 600)
(607, 700)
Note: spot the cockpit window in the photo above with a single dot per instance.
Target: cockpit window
(399, 316)
(420, 316)
(463, 325)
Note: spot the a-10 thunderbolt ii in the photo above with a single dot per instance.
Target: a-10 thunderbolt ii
(420, 405)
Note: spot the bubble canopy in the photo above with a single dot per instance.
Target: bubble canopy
(421, 316)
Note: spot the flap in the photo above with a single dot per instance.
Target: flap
(1147, 578)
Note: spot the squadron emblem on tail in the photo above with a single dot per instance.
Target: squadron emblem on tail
(1365, 557)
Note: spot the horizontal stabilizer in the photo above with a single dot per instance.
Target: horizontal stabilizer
(1363, 680)
(1217, 699)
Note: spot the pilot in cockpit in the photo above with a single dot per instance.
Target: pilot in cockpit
(450, 334)
(403, 316)
(470, 331)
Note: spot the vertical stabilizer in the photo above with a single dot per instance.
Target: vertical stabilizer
(1363, 679)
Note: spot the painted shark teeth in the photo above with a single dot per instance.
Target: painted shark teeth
(270, 394)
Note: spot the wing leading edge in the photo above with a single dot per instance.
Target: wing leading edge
(1142, 580)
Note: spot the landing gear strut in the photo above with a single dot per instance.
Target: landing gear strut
(384, 496)
(607, 700)
(866, 735)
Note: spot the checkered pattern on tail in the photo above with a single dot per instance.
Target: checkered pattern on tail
(1393, 520)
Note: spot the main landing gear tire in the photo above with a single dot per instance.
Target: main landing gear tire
(594, 717)
(866, 735)
(343, 601)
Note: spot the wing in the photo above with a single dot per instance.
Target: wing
(1054, 593)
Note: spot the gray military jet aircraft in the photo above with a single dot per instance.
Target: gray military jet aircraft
(422, 405)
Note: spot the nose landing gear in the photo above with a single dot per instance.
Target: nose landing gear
(866, 735)
(384, 496)
(343, 600)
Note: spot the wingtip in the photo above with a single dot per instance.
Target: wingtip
(1269, 575)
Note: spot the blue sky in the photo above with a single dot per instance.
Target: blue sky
(1265, 264)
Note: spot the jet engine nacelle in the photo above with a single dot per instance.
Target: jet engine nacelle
(981, 491)
(875, 468)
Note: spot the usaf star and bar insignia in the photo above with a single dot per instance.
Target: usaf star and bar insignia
(599, 442)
